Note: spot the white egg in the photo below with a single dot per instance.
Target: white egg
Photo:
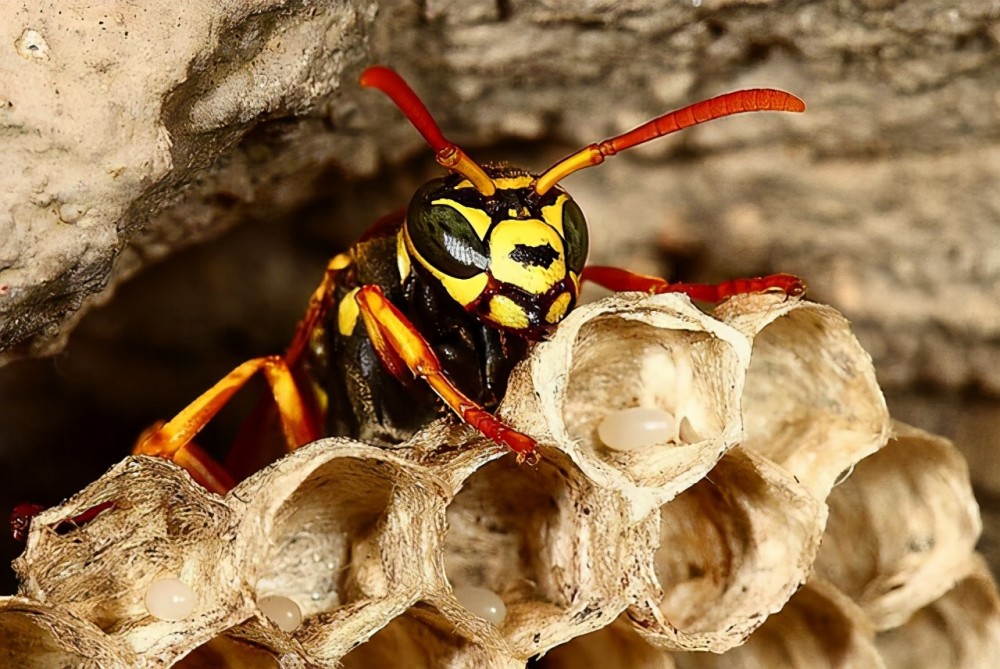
(170, 599)
(281, 611)
(482, 602)
(638, 427)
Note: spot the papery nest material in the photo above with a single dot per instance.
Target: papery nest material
(912, 509)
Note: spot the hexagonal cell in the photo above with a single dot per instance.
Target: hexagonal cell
(35, 636)
(819, 628)
(422, 638)
(617, 646)
(960, 629)
(911, 506)
(662, 369)
(224, 652)
(161, 525)
(733, 548)
(345, 531)
(811, 401)
(322, 535)
(636, 351)
(547, 541)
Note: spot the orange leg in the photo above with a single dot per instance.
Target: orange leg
(397, 341)
(621, 280)
(172, 440)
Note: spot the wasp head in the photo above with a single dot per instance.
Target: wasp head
(513, 258)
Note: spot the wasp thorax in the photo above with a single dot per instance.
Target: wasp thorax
(513, 258)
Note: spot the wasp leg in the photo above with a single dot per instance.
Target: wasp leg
(252, 449)
(172, 440)
(398, 343)
(22, 515)
(319, 304)
(614, 278)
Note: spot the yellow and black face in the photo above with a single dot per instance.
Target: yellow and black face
(512, 258)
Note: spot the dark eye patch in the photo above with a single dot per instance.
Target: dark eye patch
(576, 234)
(534, 256)
(446, 239)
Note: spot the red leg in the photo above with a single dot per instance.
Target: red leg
(20, 518)
(396, 340)
(614, 278)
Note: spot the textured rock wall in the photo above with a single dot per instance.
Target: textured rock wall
(111, 112)
(131, 131)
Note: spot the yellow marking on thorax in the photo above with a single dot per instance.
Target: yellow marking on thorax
(478, 218)
(505, 311)
(339, 261)
(533, 279)
(347, 313)
(463, 291)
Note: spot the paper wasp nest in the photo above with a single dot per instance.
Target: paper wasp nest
(700, 551)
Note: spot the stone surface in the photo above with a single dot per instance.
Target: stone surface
(110, 113)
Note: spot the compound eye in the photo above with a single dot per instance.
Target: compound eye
(446, 240)
(576, 234)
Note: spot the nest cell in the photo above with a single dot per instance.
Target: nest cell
(819, 628)
(911, 506)
(343, 530)
(733, 548)
(960, 629)
(811, 401)
(36, 636)
(422, 638)
(617, 646)
(633, 351)
(544, 540)
(159, 524)
(225, 651)
(321, 536)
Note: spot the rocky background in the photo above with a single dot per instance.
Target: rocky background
(175, 176)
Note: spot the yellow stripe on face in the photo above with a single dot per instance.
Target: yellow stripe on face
(503, 183)
(504, 311)
(558, 309)
(463, 291)
(553, 214)
(513, 183)
(506, 236)
(347, 313)
(402, 257)
(478, 218)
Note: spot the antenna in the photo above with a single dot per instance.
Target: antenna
(737, 102)
(447, 154)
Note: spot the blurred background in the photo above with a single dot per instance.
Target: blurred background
(882, 197)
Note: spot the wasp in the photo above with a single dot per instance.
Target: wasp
(430, 310)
